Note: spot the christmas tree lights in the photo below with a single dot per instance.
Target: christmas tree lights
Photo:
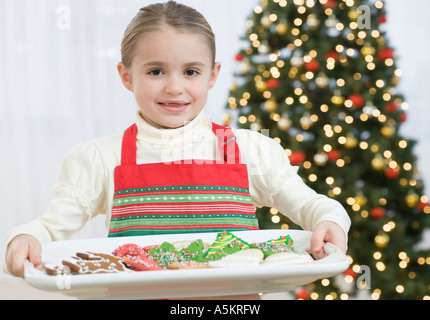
(321, 76)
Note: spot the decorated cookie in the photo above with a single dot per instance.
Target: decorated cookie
(224, 244)
(242, 258)
(130, 250)
(195, 251)
(164, 254)
(89, 262)
(188, 265)
(142, 264)
(282, 244)
(53, 269)
(288, 258)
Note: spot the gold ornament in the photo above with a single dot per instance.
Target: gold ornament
(321, 81)
(382, 240)
(337, 100)
(353, 14)
(360, 199)
(282, 28)
(226, 118)
(271, 105)
(284, 123)
(368, 50)
(411, 199)
(321, 158)
(261, 86)
(313, 22)
(388, 131)
(378, 162)
(351, 142)
(265, 21)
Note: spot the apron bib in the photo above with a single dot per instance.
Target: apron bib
(183, 196)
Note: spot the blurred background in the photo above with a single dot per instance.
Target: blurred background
(59, 85)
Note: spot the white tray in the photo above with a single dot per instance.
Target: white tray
(182, 283)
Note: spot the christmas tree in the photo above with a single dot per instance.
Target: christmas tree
(321, 76)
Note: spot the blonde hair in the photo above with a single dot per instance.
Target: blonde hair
(155, 16)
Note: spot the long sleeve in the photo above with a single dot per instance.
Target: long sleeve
(275, 183)
(79, 195)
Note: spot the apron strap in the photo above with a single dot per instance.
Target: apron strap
(227, 144)
(128, 151)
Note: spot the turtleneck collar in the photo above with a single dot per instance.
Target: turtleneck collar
(191, 132)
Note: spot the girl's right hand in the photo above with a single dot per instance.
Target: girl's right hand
(21, 248)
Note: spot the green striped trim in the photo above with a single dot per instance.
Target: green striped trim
(182, 188)
(173, 198)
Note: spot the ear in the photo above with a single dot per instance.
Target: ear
(125, 76)
(214, 74)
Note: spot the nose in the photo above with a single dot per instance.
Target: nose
(174, 85)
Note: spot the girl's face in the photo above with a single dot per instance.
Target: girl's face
(170, 75)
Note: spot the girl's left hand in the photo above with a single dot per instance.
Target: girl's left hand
(327, 231)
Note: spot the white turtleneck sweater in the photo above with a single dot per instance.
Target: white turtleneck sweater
(86, 181)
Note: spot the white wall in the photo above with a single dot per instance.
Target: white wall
(59, 86)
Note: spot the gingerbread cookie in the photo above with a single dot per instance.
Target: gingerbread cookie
(90, 262)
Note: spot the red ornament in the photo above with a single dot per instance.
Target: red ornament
(330, 4)
(392, 173)
(273, 83)
(302, 294)
(333, 155)
(422, 205)
(332, 54)
(382, 19)
(239, 57)
(357, 100)
(312, 65)
(350, 272)
(402, 117)
(297, 158)
(386, 53)
(391, 107)
(377, 213)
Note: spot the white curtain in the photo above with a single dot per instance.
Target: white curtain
(59, 85)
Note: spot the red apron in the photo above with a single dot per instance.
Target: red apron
(183, 196)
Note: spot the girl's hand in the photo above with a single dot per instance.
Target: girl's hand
(21, 248)
(327, 231)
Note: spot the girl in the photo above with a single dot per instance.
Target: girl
(173, 151)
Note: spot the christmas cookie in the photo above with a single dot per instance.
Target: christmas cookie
(224, 244)
(288, 258)
(89, 262)
(282, 244)
(242, 258)
(164, 254)
(188, 265)
(142, 264)
(130, 250)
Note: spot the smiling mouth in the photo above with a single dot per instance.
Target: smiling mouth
(174, 106)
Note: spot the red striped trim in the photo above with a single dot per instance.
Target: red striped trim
(183, 209)
(175, 227)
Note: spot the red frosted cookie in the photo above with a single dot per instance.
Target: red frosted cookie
(130, 250)
(142, 264)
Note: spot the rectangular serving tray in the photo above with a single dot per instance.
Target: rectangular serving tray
(183, 283)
